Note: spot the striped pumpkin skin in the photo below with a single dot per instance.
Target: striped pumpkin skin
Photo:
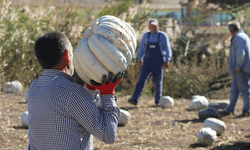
(108, 46)
(207, 136)
(215, 124)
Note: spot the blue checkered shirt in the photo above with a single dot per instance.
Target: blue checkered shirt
(63, 115)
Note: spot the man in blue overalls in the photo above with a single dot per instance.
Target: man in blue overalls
(155, 51)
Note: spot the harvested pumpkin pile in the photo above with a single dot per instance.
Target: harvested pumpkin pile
(149, 127)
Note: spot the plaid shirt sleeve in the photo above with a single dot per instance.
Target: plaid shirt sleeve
(100, 123)
(93, 93)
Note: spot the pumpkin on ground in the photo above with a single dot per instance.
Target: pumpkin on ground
(198, 102)
(209, 112)
(215, 124)
(219, 104)
(124, 118)
(207, 136)
(166, 102)
(12, 87)
(108, 45)
(24, 119)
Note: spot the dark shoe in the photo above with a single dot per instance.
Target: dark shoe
(244, 114)
(131, 101)
(223, 113)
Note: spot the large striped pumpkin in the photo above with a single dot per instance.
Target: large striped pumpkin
(108, 45)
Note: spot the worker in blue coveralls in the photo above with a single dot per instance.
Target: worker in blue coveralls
(154, 55)
(239, 68)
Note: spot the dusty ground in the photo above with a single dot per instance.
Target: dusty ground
(149, 128)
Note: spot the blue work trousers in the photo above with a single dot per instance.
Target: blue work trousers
(240, 84)
(146, 70)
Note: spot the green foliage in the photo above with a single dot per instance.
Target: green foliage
(246, 21)
(118, 9)
(19, 30)
(150, 1)
(17, 45)
(229, 2)
(139, 19)
(232, 5)
(186, 80)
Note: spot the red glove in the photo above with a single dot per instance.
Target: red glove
(91, 87)
(108, 85)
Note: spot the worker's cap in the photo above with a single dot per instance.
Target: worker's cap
(233, 25)
(153, 22)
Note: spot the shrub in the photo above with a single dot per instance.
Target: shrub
(19, 29)
(21, 26)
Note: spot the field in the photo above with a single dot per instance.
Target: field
(98, 4)
(150, 127)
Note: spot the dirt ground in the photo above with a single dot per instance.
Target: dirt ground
(149, 128)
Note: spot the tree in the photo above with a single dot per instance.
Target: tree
(231, 5)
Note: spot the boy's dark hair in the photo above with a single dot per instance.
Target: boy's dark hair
(50, 47)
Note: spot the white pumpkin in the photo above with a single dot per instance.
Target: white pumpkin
(124, 117)
(108, 45)
(219, 104)
(24, 119)
(195, 97)
(207, 136)
(215, 124)
(8, 87)
(198, 102)
(12, 87)
(209, 112)
(166, 102)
